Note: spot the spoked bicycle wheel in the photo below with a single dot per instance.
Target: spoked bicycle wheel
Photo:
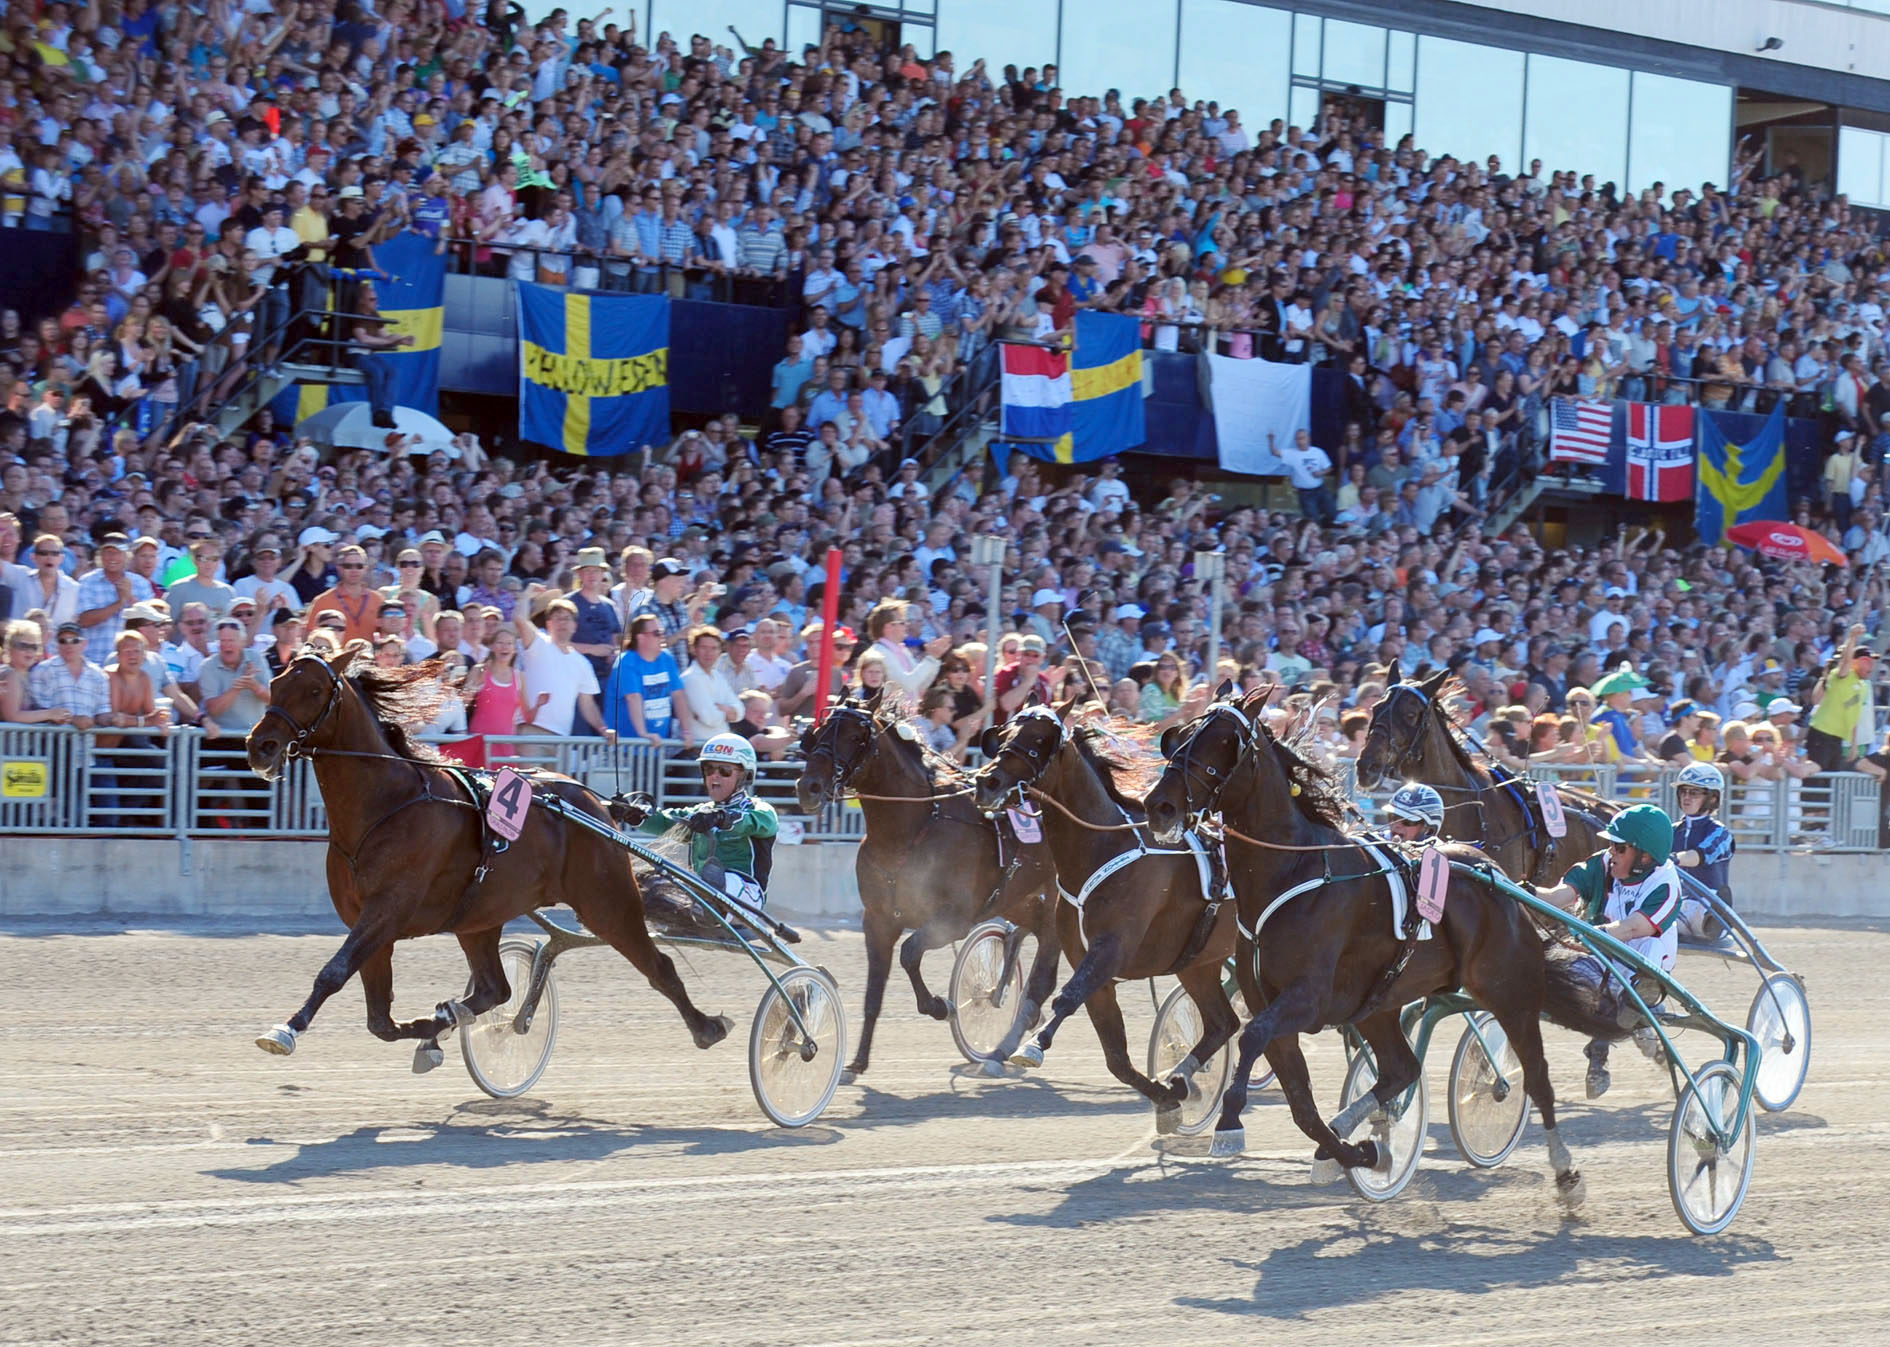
(1780, 1019)
(1488, 1106)
(794, 1075)
(1404, 1134)
(505, 1051)
(1708, 1181)
(986, 1003)
(1177, 1029)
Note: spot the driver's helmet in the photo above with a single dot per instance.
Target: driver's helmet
(730, 748)
(1416, 802)
(1703, 776)
(1644, 827)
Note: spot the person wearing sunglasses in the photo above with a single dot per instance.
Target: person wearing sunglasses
(25, 649)
(71, 681)
(1631, 891)
(351, 596)
(731, 834)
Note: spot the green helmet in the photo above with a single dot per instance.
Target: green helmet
(1646, 827)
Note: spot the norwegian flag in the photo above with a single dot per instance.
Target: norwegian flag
(1580, 432)
(1659, 453)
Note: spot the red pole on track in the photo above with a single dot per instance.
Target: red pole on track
(829, 617)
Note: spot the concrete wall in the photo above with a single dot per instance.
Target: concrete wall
(282, 880)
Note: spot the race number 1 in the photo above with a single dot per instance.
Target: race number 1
(1552, 816)
(1433, 882)
(511, 797)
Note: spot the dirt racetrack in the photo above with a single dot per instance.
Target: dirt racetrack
(165, 1182)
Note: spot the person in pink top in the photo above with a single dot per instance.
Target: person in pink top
(495, 690)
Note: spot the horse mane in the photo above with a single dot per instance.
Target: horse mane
(1124, 758)
(938, 768)
(402, 701)
(1316, 793)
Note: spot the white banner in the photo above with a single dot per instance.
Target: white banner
(1257, 405)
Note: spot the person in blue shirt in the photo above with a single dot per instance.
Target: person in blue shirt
(643, 696)
(1702, 846)
(1616, 692)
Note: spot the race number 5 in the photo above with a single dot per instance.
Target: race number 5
(511, 798)
(1552, 816)
(1433, 883)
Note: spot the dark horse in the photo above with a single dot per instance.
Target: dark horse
(1411, 739)
(407, 847)
(1331, 955)
(1128, 910)
(930, 863)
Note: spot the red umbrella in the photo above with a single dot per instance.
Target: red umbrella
(1786, 542)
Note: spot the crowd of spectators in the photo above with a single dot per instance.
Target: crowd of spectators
(909, 213)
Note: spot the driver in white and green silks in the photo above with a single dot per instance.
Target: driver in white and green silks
(731, 843)
(1632, 892)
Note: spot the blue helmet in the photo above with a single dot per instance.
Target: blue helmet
(1416, 802)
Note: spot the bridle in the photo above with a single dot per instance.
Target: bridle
(1039, 759)
(297, 746)
(1416, 738)
(844, 773)
(1183, 758)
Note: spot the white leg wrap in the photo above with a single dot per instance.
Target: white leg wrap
(1186, 1068)
(1559, 1157)
(1355, 1113)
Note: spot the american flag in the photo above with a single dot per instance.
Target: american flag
(1579, 432)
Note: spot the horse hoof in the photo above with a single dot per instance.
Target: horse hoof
(1570, 1190)
(940, 1009)
(1168, 1120)
(1028, 1055)
(1230, 1142)
(426, 1057)
(991, 1066)
(1327, 1170)
(279, 1040)
(717, 1030)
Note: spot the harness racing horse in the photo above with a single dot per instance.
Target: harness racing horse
(1137, 911)
(1330, 953)
(1412, 739)
(931, 862)
(408, 851)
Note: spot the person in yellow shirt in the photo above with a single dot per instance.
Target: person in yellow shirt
(1844, 717)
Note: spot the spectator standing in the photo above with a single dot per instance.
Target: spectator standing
(105, 593)
(70, 682)
(645, 697)
(495, 689)
(1844, 718)
(204, 587)
(563, 685)
(234, 683)
(710, 704)
(25, 647)
(352, 597)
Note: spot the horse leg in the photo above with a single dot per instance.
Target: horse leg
(1296, 1010)
(1288, 1061)
(882, 931)
(364, 940)
(1398, 1070)
(1106, 1015)
(1098, 969)
(927, 937)
(620, 924)
(1525, 1036)
(1041, 979)
(1218, 1022)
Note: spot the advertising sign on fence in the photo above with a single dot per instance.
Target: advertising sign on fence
(24, 778)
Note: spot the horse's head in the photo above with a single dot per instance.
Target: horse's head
(1016, 754)
(303, 699)
(1202, 757)
(834, 750)
(1394, 744)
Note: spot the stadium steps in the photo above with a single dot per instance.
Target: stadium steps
(1526, 495)
(260, 389)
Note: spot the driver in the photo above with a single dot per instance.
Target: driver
(1416, 811)
(1702, 846)
(732, 834)
(1632, 892)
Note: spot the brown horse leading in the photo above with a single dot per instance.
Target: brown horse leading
(406, 843)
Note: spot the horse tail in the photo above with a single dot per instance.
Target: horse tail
(1571, 1002)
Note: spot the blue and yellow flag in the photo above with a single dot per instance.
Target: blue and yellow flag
(593, 370)
(413, 299)
(1089, 403)
(1739, 483)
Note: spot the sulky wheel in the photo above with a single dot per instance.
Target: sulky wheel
(506, 1050)
(1177, 1029)
(1488, 1105)
(986, 1000)
(1708, 1181)
(1404, 1134)
(1780, 1019)
(793, 1074)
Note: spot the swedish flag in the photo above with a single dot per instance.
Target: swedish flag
(593, 370)
(1739, 483)
(1086, 405)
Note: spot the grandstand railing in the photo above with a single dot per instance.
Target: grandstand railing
(60, 780)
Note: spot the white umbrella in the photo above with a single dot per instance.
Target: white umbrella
(350, 425)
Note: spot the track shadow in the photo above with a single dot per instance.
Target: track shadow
(489, 1134)
(973, 1096)
(1390, 1251)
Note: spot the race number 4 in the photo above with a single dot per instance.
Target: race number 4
(1552, 816)
(511, 798)
(1433, 882)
